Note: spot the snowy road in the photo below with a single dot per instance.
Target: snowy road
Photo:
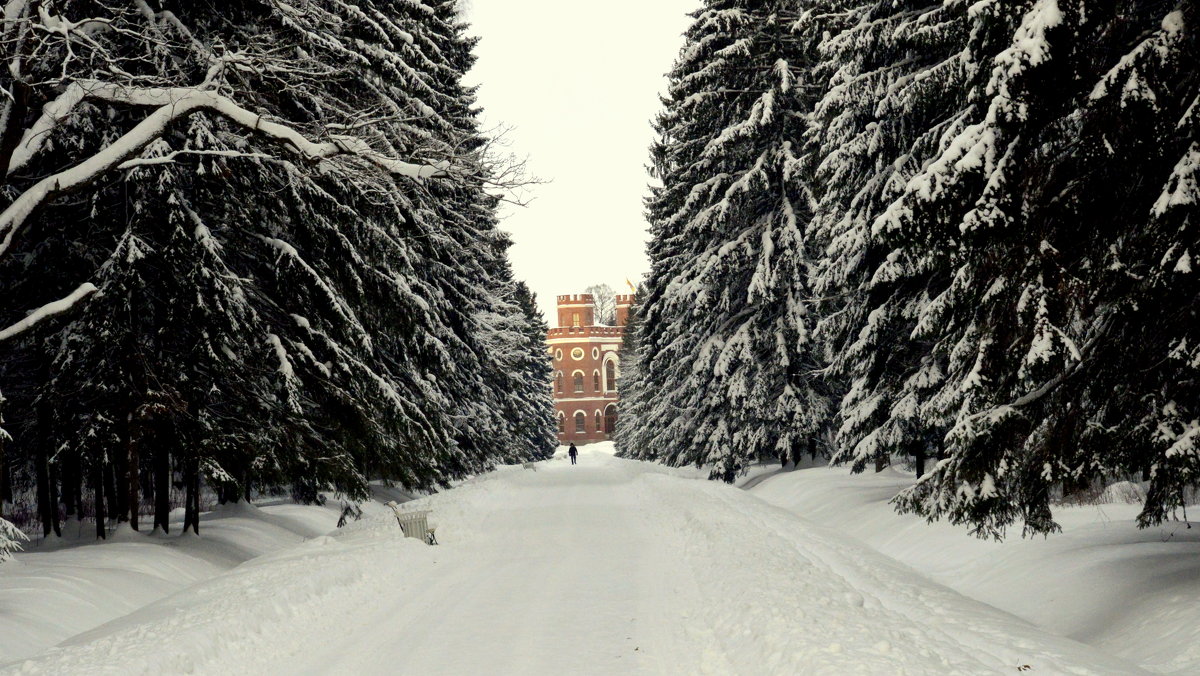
(609, 567)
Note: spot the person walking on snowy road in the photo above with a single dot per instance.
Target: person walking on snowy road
(573, 452)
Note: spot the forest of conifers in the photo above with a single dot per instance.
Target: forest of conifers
(251, 245)
(958, 235)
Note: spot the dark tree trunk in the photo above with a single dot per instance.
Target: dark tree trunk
(246, 486)
(112, 508)
(881, 462)
(919, 458)
(41, 473)
(54, 498)
(98, 484)
(47, 493)
(120, 467)
(812, 448)
(162, 488)
(5, 488)
(68, 487)
(133, 476)
(191, 506)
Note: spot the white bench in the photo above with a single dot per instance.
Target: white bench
(415, 524)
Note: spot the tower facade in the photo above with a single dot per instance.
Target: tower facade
(587, 368)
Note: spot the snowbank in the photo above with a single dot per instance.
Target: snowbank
(60, 587)
(1102, 581)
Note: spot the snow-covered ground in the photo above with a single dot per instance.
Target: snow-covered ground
(1133, 593)
(609, 567)
(58, 587)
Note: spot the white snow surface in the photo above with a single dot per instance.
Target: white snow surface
(1129, 592)
(608, 567)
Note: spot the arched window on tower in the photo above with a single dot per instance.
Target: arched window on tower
(610, 375)
(558, 382)
(596, 381)
(599, 421)
(562, 422)
(580, 422)
(579, 381)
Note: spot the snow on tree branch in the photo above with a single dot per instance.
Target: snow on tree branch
(174, 103)
(49, 310)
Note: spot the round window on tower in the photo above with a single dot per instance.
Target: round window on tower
(577, 353)
(595, 353)
(558, 354)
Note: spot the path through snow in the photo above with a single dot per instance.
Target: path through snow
(609, 567)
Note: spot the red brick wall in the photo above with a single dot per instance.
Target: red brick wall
(564, 340)
(581, 304)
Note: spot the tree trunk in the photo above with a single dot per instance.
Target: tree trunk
(77, 482)
(47, 495)
(120, 468)
(162, 488)
(112, 508)
(919, 459)
(98, 491)
(68, 488)
(133, 476)
(41, 473)
(881, 462)
(191, 506)
(5, 489)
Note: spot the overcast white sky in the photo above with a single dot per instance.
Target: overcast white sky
(579, 84)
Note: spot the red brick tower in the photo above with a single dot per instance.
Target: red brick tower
(586, 369)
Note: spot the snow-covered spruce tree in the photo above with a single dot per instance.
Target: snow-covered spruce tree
(1016, 198)
(498, 410)
(1139, 389)
(895, 88)
(634, 394)
(534, 417)
(726, 350)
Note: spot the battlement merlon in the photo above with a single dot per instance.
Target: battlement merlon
(577, 299)
(624, 299)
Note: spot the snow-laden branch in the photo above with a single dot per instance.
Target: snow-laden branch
(49, 310)
(169, 158)
(174, 103)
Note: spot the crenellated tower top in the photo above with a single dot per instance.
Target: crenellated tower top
(577, 309)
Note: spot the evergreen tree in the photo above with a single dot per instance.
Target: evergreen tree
(726, 343)
(635, 396)
(1027, 220)
(895, 87)
(534, 401)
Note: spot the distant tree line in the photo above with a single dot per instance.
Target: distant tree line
(961, 234)
(251, 244)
